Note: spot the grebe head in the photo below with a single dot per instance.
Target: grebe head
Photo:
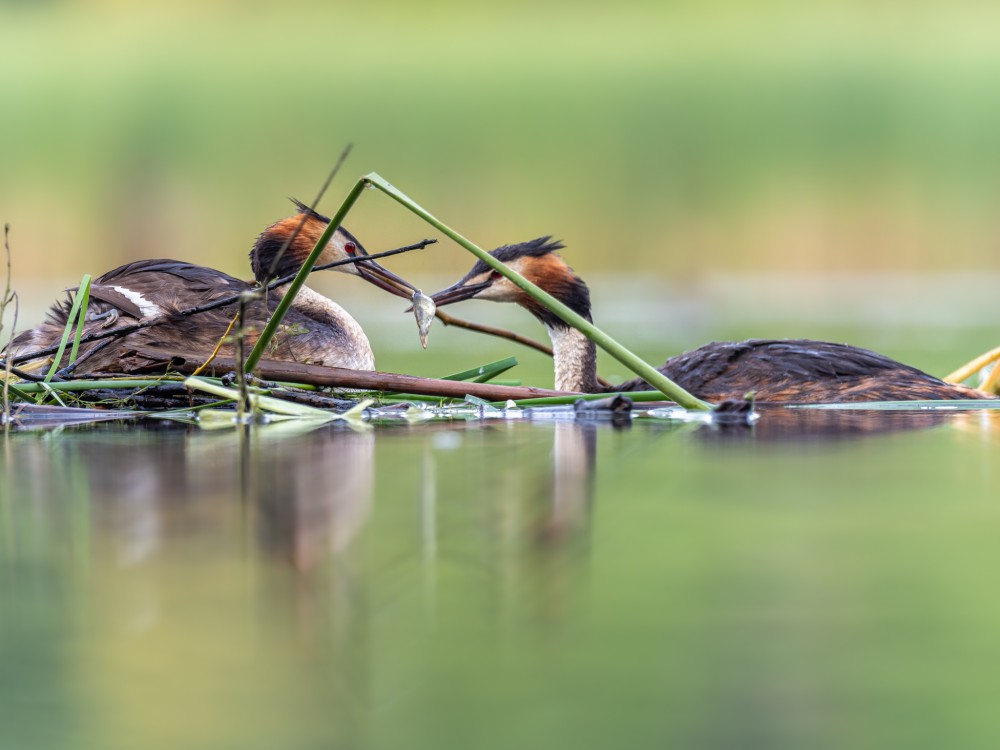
(538, 262)
(267, 265)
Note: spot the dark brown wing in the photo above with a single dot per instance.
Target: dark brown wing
(174, 285)
(197, 276)
(145, 290)
(802, 371)
(151, 289)
(169, 285)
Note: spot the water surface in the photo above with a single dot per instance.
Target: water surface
(814, 582)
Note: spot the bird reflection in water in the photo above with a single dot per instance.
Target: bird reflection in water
(516, 504)
(314, 496)
(189, 550)
(780, 424)
(307, 495)
(574, 456)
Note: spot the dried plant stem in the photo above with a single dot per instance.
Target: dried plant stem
(990, 384)
(8, 297)
(503, 333)
(312, 207)
(451, 320)
(218, 347)
(971, 368)
(340, 377)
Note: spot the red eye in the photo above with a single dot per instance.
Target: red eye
(351, 248)
(495, 275)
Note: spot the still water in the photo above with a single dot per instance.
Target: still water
(825, 579)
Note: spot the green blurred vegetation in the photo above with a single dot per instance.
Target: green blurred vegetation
(673, 137)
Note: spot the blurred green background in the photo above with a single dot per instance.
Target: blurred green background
(672, 136)
(688, 140)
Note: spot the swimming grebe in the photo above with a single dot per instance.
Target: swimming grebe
(316, 330)
(791, 371)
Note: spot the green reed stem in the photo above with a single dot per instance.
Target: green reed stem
(78, 309)
(81, 318)
(87, 385)
(484, 373)
(13, 390)
(632, 361)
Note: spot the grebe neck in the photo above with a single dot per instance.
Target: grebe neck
(575, 358)
(348, 345)
(575, 355)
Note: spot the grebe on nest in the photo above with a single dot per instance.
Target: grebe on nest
(316, 330)
(791, 371)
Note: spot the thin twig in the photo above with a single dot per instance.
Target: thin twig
(503, 333)
(6, 293)
(30, 376)
(8, 296)
(451, 320)
(218, 347)
(288, 298)
(312, 208)
(71, 367)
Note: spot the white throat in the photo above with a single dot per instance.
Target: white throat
(575, 359)
(358, 355)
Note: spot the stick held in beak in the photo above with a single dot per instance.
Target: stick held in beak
(385, 279)
(368, 269)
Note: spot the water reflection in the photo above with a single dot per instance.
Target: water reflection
(574, 453)
(778, 424)
(171, 546)
(419, 586)
(305, 495)
(173, 541)
(312, 497)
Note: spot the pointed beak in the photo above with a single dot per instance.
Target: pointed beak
(373, 273)
(458, 292)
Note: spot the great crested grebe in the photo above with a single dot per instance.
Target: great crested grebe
(791, 371)
(316, 330)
